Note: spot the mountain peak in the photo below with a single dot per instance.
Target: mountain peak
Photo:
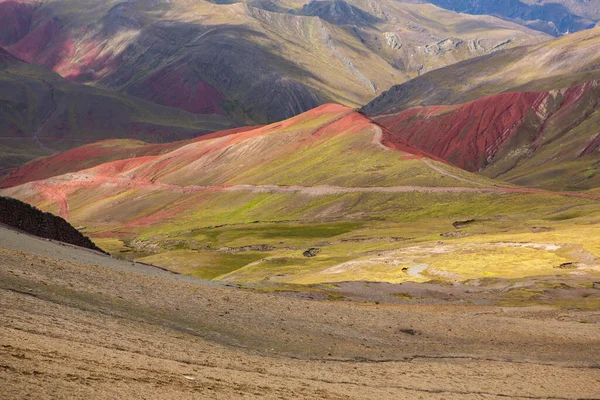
(338, 12)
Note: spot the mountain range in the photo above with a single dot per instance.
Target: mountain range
(254, 61)
(326, 196)
(42, 113)
(311, 199)
(555, 17)
(526, 115)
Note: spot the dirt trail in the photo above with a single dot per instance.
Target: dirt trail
(55, 189)
(450, 175)
(46, 119)
(56, 196)
(333, 121)
(378, 137)
(324, 190)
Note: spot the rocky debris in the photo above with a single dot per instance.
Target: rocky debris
(462, 224)
(27, 218)
(312, 252)
(443, 46)
(254, 247)
(568, 265)
(475, 46)
(373, 239)
(145, 246)
(538, 229)
(411, 332)
(454, 234)
(392, 40)
(501, 44)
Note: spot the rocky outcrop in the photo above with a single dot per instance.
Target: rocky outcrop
(392, 40)
(312, 252)
(27, 218)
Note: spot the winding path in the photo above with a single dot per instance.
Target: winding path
(450, 175)
(55, 189)
(56, 196)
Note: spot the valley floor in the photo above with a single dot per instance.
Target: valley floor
(77, 324)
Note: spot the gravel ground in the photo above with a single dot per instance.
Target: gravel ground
(77, 324)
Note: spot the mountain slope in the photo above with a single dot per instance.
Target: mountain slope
(97, 153)
(254, 61)
(285, 153)
(321, 197)
(42, 113)
(543, 139)
(555, 17)
(568, 61)
(513, 115)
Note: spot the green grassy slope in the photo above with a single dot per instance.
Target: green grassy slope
(535, 139)
(246, 207)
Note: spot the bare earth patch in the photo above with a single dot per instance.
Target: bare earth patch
(108, 329)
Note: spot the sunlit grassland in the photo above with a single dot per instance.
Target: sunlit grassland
(362, 236)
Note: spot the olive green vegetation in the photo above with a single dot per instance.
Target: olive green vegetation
(362, 236)
(206, 265)
(339, 149)
(364, 230)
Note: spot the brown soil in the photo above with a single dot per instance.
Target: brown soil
(78, 324)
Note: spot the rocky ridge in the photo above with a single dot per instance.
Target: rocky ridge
(27, 218)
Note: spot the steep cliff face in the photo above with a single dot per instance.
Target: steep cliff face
(29, 219)
(509, 135)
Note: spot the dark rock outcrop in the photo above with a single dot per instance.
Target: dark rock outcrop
(29, 219)
(312, 252)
